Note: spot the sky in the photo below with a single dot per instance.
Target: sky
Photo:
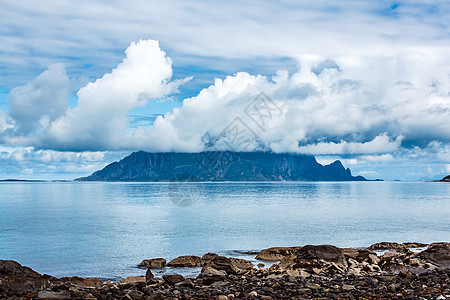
(85, 83)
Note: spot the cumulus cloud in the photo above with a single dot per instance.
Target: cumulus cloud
(40, 102)
(339, 110)
(41, 117)
(101, 115)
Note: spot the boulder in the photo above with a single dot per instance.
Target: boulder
(242, 263)
(222, 265)
(10, 268)
(327, 253)
(438, 253)
(186, 261)
(208, 257)
(276, 253)
(154, 263)
(173, 278)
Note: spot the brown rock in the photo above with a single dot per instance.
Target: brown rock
(132, 280)
(386, 246)
(276, 253)
(208, 270)
(325, 252)
(185, 284)
(358, 254)
(414, 245)
(89, 282)
(222, 265)
(186, 261)
(208, 257)
(149, 275)
(154, 263)
(241, 263)
(173, 278)
(9, 268)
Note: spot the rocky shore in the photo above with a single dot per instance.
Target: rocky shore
(381, 271)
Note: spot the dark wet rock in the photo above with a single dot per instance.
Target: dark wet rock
(154, 263)
(276, 253)
(186, 261)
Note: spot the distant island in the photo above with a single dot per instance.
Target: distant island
(221, 166)
(445, 179)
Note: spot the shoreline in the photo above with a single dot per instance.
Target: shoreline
(380, 271)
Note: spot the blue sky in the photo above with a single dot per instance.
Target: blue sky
(85, 83)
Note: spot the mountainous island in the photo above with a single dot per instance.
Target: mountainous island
(221, 166)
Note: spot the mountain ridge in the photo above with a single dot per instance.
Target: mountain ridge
(221, 166)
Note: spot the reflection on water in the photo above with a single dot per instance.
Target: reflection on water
(106, 229)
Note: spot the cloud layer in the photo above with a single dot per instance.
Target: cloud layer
(327, 107)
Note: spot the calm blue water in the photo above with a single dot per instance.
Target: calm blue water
(105, 229)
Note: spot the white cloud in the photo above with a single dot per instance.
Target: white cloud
(338, 111)
(38, 103)
(325, 108)
(30, 163)
(41, 117)
(101, 116)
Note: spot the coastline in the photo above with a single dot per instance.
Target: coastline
(381, 271)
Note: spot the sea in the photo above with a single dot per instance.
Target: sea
(104, 230)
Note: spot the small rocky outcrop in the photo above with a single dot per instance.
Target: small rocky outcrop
(186, 261)
(154, 263)
(393, 245)
(276, 253)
